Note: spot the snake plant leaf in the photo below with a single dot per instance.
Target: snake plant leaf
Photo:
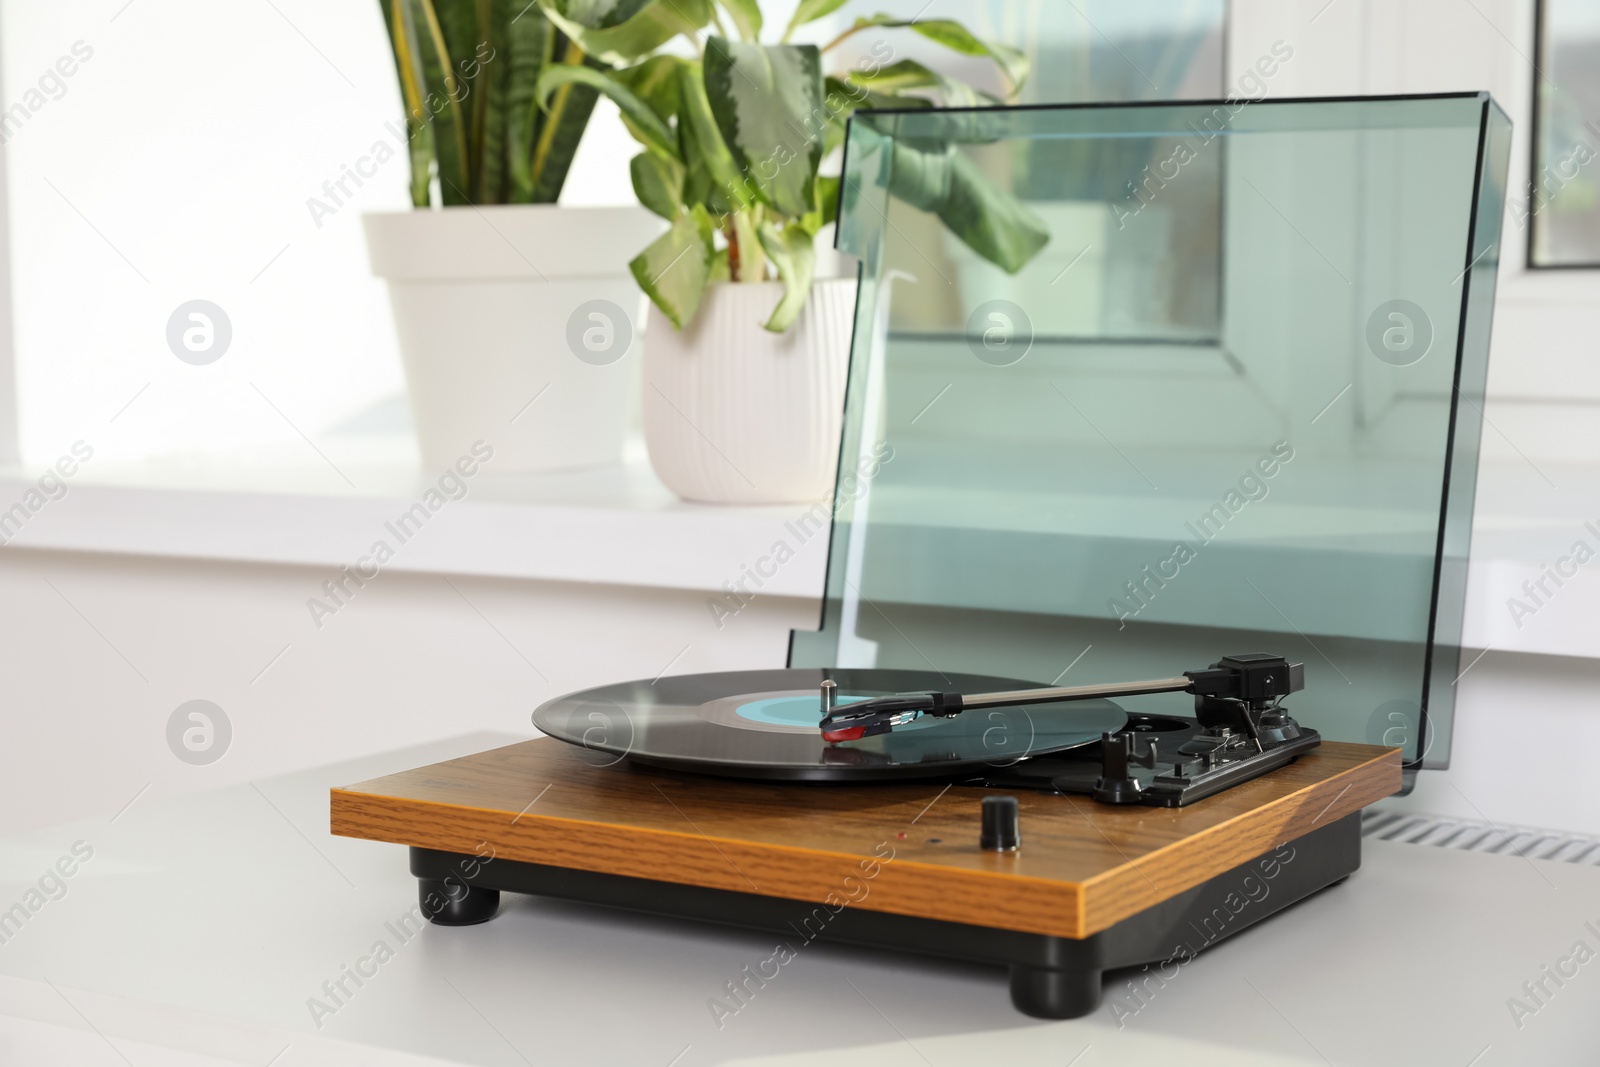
(485, 69)
(766, 100)
(989, 220)
(793, 251)
(956, 37)
(658, 183)
(401, 23)
(567, 115)
(458, 25)
(528, 44)
(649, 26)
(442, 104)
(674, 270)
(746, 15)
(646, 124)
(811, 11)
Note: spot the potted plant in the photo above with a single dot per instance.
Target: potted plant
(517, 325)
(747, 348)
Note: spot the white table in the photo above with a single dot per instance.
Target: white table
(202, 925)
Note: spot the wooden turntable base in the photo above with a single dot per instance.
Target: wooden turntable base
(1082, 868)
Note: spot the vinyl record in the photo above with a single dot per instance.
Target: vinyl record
(763, 724)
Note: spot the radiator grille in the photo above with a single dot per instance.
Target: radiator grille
(1445, 832)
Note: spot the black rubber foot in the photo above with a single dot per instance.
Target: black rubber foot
(1047, 994)
(454, 903)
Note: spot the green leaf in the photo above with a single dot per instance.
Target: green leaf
(714, 179)
(459, 25)
(560, 131)
(647, 27)
(896, 77)
(746, 259)
(958, 38)
(951, 34)
(886, 87)
(645, 121)
(699, 187)
(399, 19)
(954, 93)
(603, 13)
(766, 99)
(527, 50)
(441, 103)
(827, 201)
(746, 15)
(674, 270)
(989, 220)
(793, 251)
(811, 11)
(485, 70)
(655, 81)
(658, 183)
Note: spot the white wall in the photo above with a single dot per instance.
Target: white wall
(96, 652)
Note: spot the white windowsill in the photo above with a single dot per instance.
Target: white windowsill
(616, 525)
(620, 526)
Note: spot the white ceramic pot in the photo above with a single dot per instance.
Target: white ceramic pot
(519, 325)
(734, 414)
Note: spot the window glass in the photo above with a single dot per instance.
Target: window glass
(1560, 208)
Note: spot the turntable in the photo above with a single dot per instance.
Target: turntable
(1221, 455)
